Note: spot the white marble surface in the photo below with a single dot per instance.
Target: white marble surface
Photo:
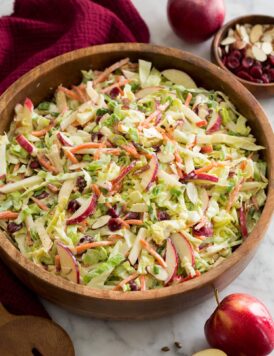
(102, 338)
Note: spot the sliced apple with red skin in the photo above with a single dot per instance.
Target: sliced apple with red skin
(64, 140)
(179, 77)
(209, 178)
(149, 176)
(214, 124)
(146, 91)
(171, 259)
(26, 145)
(86, 209)
(69, 264)
(29, 104)
(242, 220)
(123, 173)
(158, 272)
(183, 247)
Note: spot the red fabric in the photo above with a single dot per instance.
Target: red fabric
(37, 31)
(41, 29)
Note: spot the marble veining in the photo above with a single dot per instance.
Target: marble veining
(146, 338)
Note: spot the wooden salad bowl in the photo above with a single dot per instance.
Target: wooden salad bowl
(39, 84)
(260, 90)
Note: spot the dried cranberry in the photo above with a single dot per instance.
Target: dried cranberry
(73, 205)
(244, 75)
(86, 238)
(132, 215)
(256, 72)
(233, 62)
(265, 78)
(42, 195)
(236, 54)
(114, 224)
(271, 60)
(247, 62)
(224, 60)
(259, 81)
(163, 215)
(133, 286)
(114, 93)
(157, 148)
(206, 230)
(97, 135)
(81, 183)
(13, 227)
(112, 212)
(270, 73)
(98, 118)
(34, 164)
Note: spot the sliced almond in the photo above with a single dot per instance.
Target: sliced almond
(259, 54)
(228, 41)
(244, 34)
(267, 47)
(258, 44)
(255, 33)
(239, 44)
(249, 53)
(267, 38)
(270, 32)
(230, 32)
(100, 222)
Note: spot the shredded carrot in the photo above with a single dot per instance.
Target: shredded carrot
(70, 93)
(124, 223)
(142, 282)
(46, 164)
(243, 165)
(52, 188)
(16, 167)
(126, 280)
(109, 70)
(40, 204)
(155, 254)
(82, 248)
(234, 195)
(97, 155)
(108, 205)
(70, 156)
(96, 190)
(208, 167)
(188, 99)
(57, 261)
(115, 237)
(131, 150)
(207, 149)
(80, 93)
(87, 145)
(114, 151)
(179, 172)
(8, 215)
(115, 85)
(177, 157)
(134, 222)
(201, 123)
(148, 120)
(43, 132)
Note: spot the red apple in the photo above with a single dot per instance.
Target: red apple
(64, 140)
(26, 145)
(195, 20)
(171, 259)
(242, 220)
(85, 210)
(149, 176)
(183, 247)
(123, 173)
(214, 124)
(241, 326)
(28, 104)
(69, 264)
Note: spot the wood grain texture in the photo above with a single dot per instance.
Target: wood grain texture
(259, 90)
(21, 335)
(39, 84)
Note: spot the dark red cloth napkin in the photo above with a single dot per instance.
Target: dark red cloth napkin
(37, 31)
(41, 29)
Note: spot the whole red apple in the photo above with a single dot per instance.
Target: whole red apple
(195, 20)
(241, 326)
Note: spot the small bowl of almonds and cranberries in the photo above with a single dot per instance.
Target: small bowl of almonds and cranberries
(245, 47)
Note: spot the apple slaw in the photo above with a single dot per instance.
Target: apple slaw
(134, 179)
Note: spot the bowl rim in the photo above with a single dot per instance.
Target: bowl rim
(219, 36)
(247, 248)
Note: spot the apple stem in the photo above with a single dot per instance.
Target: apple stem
(216, 294)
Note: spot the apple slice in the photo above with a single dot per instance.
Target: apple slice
(26, 145)
(149, 176)
(28, 104)
(171, 259)
(86, 209)
(210, 352)
(179, 77)
(158, 272)
(69, 264)
(242, 220)
(204, 199)
(214, 124)
(64, 140)
(136, 248)
(192, 192)
(21, 184)
(201, 177)
(100, 222)
(183, 247)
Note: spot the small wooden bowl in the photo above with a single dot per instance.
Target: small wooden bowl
(259, 90)
(39, 84)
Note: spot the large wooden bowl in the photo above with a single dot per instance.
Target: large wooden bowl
(39, 84)
(260, 90)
